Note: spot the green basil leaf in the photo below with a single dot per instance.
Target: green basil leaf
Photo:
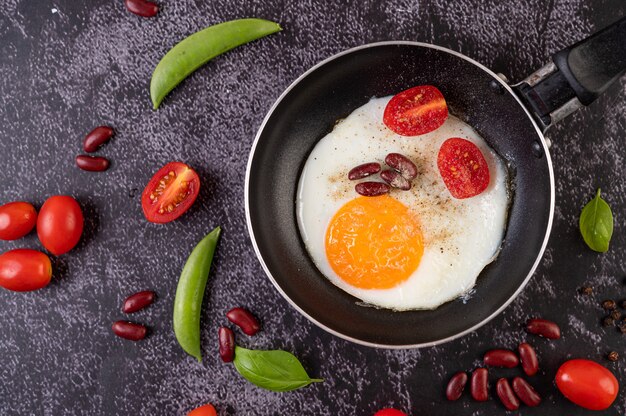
(596, 224)
(272, 370)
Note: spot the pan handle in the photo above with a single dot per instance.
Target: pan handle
(577, 75)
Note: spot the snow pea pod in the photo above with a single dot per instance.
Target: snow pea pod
(189, 294)
(197, 49)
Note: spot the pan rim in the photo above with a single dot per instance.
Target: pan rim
(337, 333)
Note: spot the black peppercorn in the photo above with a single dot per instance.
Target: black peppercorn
(623, 304)
(609, 304)
(608, 321)
(613, 356)
(586, 290)
(615, 314)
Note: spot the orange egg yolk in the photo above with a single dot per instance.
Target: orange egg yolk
(374, 242)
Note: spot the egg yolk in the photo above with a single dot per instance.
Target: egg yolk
(374, 242)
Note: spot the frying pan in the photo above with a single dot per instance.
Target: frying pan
(511, 119)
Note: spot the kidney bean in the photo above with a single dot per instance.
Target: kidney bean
(364, 170)
(456, 385)
(227, 344)
(96, 138)
(244, 320)
(402, 164)
(478, 385)
(525, 392)
(92, 163)
(527, 355)
(543, 328)
(138, 301)
(506, 395)
(129, 330)
(395, 179)
(143, 8)
(501, 358)
(372, 188)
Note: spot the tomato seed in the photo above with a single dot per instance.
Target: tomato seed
(138, 301)
(456, 385)
(227, 344)
(142, 8)
(92, 163)
(501, 358)
(244, 320)
(479, 386)
(129, 330)
(96, 138)
(506, 395)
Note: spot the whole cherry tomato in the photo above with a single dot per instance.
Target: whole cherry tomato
(463, 168)
(170, 192)
(389, 412)
(418, 110)
(587, 383)
(23, 270)
(206, 410)
(16, 220)
(60, 224)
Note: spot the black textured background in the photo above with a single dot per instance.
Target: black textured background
(68, 65)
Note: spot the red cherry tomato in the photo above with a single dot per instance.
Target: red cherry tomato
(16, 220)
(463, 168)
(418, 110)
(60, 224)
(206, 410)
(587, 383)
(389, 412)
(23, 270)
(170, 192)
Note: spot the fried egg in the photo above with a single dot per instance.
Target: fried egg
(405, 250)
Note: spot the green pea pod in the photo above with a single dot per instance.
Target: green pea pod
(189, 294)
(197, 49)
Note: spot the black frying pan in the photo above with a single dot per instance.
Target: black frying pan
(511, 120)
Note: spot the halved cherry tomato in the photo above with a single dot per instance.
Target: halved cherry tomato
(463, 168)
(418, 110)
(16, 220)
(587, 383)
(206, 410)
(60, 224)
(389, 412)
(170, 192)
(23, 270)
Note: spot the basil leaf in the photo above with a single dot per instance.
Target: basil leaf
(272, 370)
(596, 224)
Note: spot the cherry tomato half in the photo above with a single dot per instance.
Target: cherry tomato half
(16, 220)
(418, 110)
(389, 412)
(170, 192)
(206, 410)
(463, 168)
(23, 270)
(60, 224)
(587, 383)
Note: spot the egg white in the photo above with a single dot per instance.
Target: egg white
(460, 236)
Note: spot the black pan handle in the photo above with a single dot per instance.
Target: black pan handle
(577, 75)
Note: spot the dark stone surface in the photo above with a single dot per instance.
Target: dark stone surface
(67, 66)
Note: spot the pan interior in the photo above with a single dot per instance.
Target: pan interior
(309, 110)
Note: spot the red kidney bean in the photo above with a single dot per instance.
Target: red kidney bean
(395, 179)
(364, 170)
(142, 8)
(525, 392)
(527, 355)
(506, 395)
(372, 188)
(456, 385)
(478, 385)
(227, 344)
(501, 358)
(129, 330)
(244, 320)
(543, 328)
(96, 138)
(92, 163)
(138, 301)
(402, 164)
